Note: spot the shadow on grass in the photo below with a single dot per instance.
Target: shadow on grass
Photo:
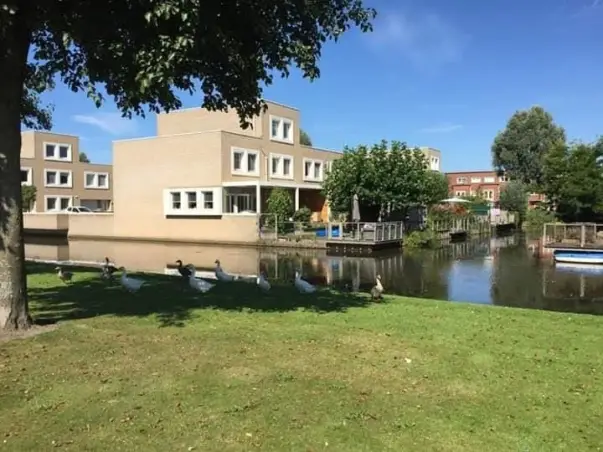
(169, 298)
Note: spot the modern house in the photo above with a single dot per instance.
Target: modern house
(487, 184)
(433, 156)
(50, 162)
(202, 165)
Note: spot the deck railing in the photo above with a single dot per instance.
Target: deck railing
(573, 235)
(271, 229)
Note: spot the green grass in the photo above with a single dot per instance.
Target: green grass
(236, 370)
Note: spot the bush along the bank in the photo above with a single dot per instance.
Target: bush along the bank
(536, 219)
(420, 239)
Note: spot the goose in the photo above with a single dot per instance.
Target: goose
(108, 269)
(221, 275)
(197, 283)
(131, 284)
(63, 275)
(303, 286)
(184, 270)
(263, 282)
(377, 290)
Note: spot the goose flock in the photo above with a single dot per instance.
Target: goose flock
(188, 272)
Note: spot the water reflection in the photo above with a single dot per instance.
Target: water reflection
(499, 271)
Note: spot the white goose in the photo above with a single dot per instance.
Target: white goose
(303, 286)
(263, 282)
(198, 284)
(131, 284)
(221, 275)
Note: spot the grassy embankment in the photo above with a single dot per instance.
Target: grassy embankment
(167, 370)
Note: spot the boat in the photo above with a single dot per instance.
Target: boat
(578, 257)
(579, 269)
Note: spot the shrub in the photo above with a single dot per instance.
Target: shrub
(420, 239)
(279, 207)
(28, 197)
(537, 218)
(302, 216)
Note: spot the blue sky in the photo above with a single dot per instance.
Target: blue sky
(434, 73)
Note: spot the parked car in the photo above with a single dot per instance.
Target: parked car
(78, 209)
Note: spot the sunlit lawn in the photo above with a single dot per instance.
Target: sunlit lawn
(237, 370)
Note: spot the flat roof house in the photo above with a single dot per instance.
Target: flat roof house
(50, 162)
(203, 166)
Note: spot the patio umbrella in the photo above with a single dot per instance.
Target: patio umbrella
(452, 200)
(355, 208)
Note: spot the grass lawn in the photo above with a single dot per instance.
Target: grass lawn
(236, 370)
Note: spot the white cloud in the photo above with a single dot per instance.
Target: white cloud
(112, 123)
(442, 128)
(426, 40)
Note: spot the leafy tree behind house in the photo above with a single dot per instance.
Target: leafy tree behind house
(226, 53)
(304, 138)
(573, 181)
(519, 150)
(385, 177)
(84, 158)
(28, 197)
(514, 198)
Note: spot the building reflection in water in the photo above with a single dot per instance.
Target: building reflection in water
(501, 271)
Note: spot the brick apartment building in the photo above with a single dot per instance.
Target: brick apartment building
(484, 183)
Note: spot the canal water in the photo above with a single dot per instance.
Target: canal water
(501, 271)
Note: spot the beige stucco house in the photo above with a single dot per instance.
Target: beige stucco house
(50, 162)
(202, 174)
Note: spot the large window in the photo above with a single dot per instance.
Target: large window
(192, 201)
(313, 170)
(244, 162)
(281, 166)
(96, 180)
(58, 178)
(281, 129)
(57, 151)
(57, 203)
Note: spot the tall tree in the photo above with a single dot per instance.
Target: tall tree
(519, 149)
(84, 158)
(385, 177)
(151, 52)
(514, 198)
(304, 138)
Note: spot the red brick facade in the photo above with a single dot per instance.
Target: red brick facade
(485, 183)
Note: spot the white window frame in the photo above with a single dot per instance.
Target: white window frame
(487, 192)
(58, 184)
(281, 165)
(281, 126)
(460, 193)
(503, 179)
(95, 185)
(199, 210)
(58, 198)
(244, 171)
(29, 180)
(435, 163)
(476, 180)
(56, 156)
(489, 180)
(461, 180)
(311, 177)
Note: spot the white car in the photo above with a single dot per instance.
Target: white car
(78, 209)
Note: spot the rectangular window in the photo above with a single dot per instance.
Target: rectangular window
(460, 193)
(503, 179)
(96, 180)
(476, 180)
(208, 199)
(489, 180)
(26, 176)
(57, 178)
(281, 166)
(245, 162)
(281, 129)
(57, 151)
(313, 170)
(176, 200)
(191, 198)
(461, 180)
(57, 203)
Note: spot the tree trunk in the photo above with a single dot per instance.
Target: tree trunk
(14, 46)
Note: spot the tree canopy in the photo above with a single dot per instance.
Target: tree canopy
(84, 158)
(514, 198)
(573, 181)
(144, 55)
(386, 177)
(304, 138)
(519, 149)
